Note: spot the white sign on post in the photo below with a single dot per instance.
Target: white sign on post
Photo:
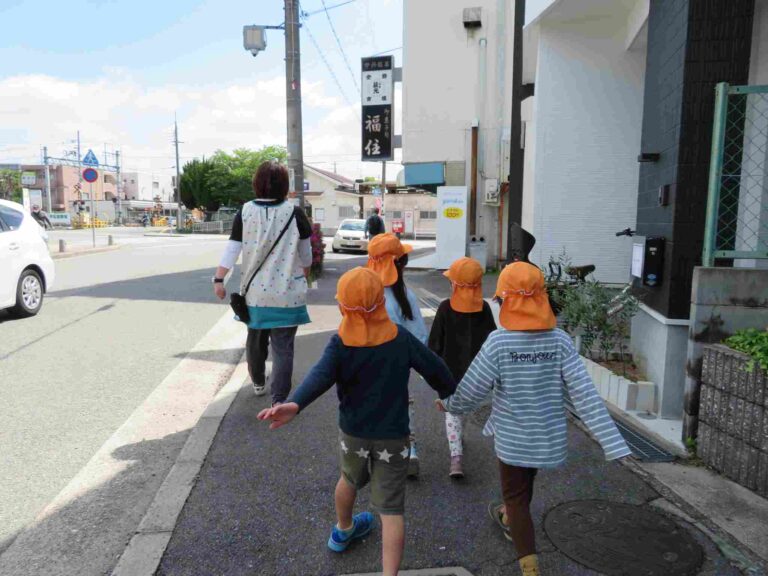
(409, 222)
(451, 225)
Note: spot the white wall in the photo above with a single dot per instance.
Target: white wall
(452, 76)
(588, 117)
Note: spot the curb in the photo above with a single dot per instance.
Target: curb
(638, 428)
(145, 550)
(86, 252)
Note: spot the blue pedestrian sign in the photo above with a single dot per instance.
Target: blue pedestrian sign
(90, 159)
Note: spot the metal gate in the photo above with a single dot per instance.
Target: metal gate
(737, 207)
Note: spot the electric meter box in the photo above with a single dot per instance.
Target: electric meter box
(648, 260)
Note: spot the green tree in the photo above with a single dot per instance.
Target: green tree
(196, 191)
(232, 174)
(10, 185)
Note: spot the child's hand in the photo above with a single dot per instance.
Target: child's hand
(279, 415)
(440, 406)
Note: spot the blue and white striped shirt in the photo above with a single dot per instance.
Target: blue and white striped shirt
(531, 374)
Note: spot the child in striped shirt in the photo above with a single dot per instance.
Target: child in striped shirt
(530, 366)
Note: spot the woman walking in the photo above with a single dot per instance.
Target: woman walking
(273, 236)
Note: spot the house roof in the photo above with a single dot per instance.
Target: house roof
(331, 175)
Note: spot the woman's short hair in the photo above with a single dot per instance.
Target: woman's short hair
(271, 181)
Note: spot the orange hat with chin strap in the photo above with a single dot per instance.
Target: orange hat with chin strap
(525, 303)
(364, 321)
(383, 250)
(466, 276)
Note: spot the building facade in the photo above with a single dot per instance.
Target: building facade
(457, 76)
(619, 135)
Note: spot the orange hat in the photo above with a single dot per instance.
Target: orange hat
(466, 276)
(383, 250)
(525, 302)
(364, 321)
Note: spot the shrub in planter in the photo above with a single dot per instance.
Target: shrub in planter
(754, 343)
(318, 253)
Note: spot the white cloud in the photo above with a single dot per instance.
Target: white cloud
(38, 110)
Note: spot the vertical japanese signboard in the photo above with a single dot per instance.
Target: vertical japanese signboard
(378, 100)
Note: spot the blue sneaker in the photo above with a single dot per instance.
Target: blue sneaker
(362, 524)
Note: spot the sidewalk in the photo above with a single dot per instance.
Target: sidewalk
(263, 500)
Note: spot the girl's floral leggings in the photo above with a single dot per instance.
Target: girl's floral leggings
(454, 430)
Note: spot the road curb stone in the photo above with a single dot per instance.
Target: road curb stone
(145, 550)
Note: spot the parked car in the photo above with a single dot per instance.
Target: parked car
(350, 236)
(26, 268)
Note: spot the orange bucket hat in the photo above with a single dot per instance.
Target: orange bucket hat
(525, 303)
(383, 250)
(364, 321)
(466, 276)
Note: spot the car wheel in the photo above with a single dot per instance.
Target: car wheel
(29, 295)
(335, 250)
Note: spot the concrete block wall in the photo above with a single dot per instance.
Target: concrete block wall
(723, 301)
(733, 418)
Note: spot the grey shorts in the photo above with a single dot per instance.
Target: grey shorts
(383, 464)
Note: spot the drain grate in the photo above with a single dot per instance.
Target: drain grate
(642, 448)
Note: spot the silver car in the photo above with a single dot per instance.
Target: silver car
(350, 236)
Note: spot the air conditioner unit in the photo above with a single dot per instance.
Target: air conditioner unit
(491, 189)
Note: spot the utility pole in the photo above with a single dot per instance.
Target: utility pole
(47, 178)
(516, 151)
(117, 188)
(178, 179)
(293, 97)
(383, 185)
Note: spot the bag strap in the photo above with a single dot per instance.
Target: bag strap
(258, 269)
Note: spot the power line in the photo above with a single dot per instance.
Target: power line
(341, 48)
(327, 64)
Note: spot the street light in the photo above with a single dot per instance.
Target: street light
(254, 39)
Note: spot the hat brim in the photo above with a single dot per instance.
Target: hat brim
(407, 248)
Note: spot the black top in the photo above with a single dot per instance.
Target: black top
(374, 225)
(302, 222)
(372, 383)
(458, 336)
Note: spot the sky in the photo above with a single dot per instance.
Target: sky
(119, 70)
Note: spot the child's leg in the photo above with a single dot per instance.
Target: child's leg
(517, 491)
(392, 543)
(345, 501)
(454, 430)
(389, 469)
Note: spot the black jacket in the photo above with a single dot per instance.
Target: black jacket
(458, 336)
(374, 225)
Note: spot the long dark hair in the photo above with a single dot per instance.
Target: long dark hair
(398, 288)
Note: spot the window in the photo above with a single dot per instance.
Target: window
(428, 214)
(347, 212)
(156, 185)
(397, 214)
(319, 214)
(12, 218)
(351, 225)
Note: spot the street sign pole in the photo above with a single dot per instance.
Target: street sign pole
(383, 184)
(93, 223)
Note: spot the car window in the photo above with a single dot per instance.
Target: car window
(12, 218)
(359, 226)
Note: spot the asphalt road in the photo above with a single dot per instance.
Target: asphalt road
(263, 502)
(113, 327)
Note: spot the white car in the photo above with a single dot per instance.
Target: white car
(350, 236)
(26, 267)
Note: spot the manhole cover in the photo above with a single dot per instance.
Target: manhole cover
(622, 540)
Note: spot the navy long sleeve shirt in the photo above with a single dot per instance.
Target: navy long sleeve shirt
(372, 383)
